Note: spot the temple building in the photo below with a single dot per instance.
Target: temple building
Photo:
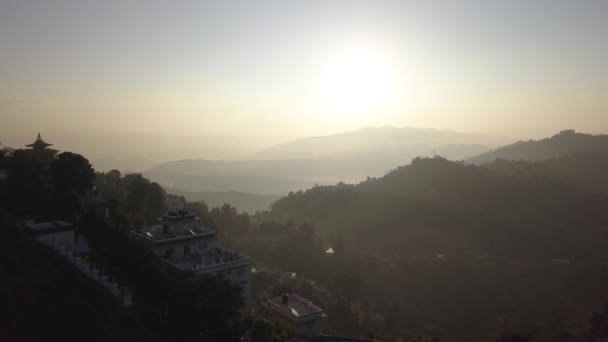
(39, 150)
(188, 247)
(39, 157)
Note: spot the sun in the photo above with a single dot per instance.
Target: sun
(357, 83)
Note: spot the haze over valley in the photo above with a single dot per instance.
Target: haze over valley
(304, 171)
(346, 157)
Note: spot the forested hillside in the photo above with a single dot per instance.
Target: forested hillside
(435, 248)
(584, 170)
(457, 251)
(435, 204)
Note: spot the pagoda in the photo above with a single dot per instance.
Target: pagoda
(39, 144)
(39, 151)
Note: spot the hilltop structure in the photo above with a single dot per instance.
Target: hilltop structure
(188, 247)
(39, 144)
(39, 151)
(39, 157)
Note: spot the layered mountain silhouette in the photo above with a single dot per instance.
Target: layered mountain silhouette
(350, 157)
(566, 142)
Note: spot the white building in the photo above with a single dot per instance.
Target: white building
(302, 317)
(183, 244)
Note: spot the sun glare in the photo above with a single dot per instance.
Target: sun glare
(357, 83)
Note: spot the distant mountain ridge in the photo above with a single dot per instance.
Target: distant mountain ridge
(350, 157)
(124, 165)
(378, 139)
(566, 142)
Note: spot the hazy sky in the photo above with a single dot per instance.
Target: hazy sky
(239, 75)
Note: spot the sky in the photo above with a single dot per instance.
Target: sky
(216, 79)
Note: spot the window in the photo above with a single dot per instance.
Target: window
(186, 250)
(310, 324)
(240, 273)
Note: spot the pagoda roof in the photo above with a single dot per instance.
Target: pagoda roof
(39, 143)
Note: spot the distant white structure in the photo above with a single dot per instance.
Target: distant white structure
(186, 246)
(302, 317)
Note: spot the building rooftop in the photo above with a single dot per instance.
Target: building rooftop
(162, 234)
(211, 258)
(177, 215)
(295, 306)
(42, 227)
(39, 143)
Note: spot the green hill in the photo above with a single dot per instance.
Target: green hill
(584, 170)
(435, 204)
(467, 251)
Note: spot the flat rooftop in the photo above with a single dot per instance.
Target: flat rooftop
(177, 215)
(158, 234)
(213, 257)
(296, 306)
(48, 225)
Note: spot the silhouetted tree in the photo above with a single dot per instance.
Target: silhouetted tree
(154, 203)
(72, 173)
(348, 285)
(264, 329)
(72, 176)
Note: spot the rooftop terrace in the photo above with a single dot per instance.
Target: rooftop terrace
(295, 307)
(214, 257)
(47, 226)
(178, 215)
(161, 234)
